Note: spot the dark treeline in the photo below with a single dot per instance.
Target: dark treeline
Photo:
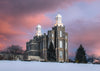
(11, 52)
(14, 52)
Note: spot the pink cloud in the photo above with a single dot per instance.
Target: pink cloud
(15, 30)
(19, 18)
(85, 33)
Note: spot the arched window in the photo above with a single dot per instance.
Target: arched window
(53, 41)
(66, 55)
(61, 54)
(66, 37)
(29, 48)
(60, 33)
(66, 45)
(60, 43)
(52, 35)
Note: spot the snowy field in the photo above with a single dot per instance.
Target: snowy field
(45, 66)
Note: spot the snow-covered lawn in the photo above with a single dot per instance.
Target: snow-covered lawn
(45, 66)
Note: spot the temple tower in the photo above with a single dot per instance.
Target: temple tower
(61, 40)
(59, 20)
(38, 30)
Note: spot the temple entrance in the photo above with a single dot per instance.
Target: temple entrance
(51, 53)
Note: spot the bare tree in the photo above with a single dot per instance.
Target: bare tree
(15, 49)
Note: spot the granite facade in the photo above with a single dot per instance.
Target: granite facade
(37, 47)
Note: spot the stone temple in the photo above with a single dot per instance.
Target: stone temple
(36, 48)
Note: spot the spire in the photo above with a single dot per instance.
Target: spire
(59, 20)
(38, 30)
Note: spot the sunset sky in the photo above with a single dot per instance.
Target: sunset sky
(19, 18)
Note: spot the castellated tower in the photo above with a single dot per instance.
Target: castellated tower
(60, 40)
(59, 20)
(38, 30)
(36, 48)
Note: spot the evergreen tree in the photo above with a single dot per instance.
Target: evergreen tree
(51, 55)
(81, 55)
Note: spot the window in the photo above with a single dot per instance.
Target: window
(60, 54)
(48, 44)
(49, 36)
(28, 48)
(60, 33)
(53, 41)
(66, 37)
(52, 35)
(60, 44)
(66, 55)
(66, 46)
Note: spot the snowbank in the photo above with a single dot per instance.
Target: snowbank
(45, 66)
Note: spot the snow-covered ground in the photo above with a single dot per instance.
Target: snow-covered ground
(45, 66)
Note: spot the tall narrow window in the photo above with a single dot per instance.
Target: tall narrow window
(60, 44)
(66, 37)
(61, 54)
(60, 33)
(66, 55)
(52, 35)
(28, 48)
(66, 45)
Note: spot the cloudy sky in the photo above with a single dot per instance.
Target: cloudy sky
(18, 19)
